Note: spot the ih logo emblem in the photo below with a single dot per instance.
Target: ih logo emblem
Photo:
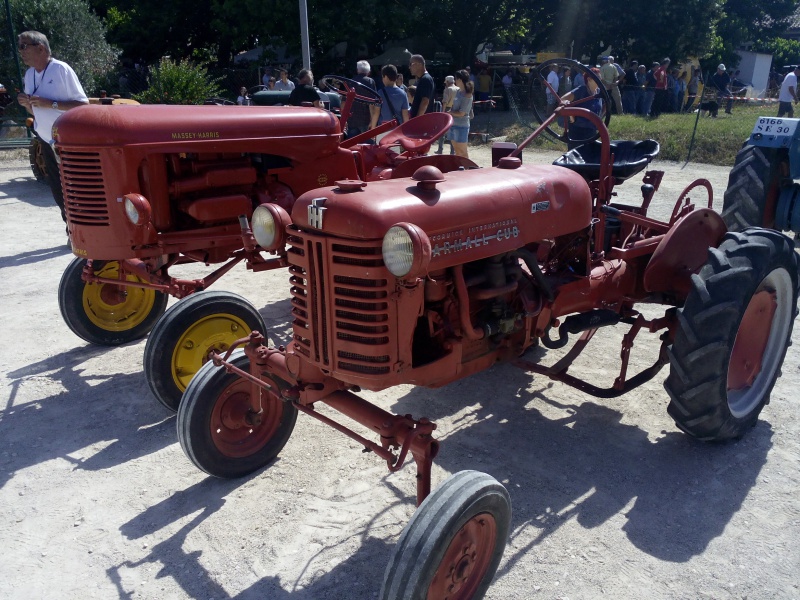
(322, 179)
(315, 212)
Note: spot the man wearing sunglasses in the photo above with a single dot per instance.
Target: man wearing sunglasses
(51, 87)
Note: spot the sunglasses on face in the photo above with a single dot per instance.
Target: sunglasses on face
(24, 45)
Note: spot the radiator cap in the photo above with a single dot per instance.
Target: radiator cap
(427, 177)
(350, 185)
(509, 162)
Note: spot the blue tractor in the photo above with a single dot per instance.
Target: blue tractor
(764, 184)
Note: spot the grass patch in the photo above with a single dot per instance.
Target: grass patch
(716, 141)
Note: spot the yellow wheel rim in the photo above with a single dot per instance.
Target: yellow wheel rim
(113, 307)
(214, 332)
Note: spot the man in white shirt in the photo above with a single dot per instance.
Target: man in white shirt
(284, 84)
(788, 93)
(51, 88)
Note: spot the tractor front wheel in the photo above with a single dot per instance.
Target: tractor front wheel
(753, 186)
(732, 335)
(104, 313)
(218, 429)
(453, 544)
(182, 339)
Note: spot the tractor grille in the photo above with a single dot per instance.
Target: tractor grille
(84, 188)
(341, 320)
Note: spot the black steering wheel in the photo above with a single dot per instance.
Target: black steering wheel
(343, 85)
(540, 89)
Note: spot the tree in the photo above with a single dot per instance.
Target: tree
(76, 35)
(746, 21)
(180, 82)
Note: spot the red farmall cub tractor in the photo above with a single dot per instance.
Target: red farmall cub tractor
(434, 278)
(149, 188)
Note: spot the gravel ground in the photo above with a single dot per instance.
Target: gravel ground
(98, 501)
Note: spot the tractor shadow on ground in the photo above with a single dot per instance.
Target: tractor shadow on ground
(112, 407)
(278, 317)
(185, 567)
(589, 466)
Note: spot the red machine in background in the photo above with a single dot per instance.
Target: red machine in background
(149, 188)
(429, 280)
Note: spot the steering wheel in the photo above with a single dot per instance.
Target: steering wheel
(540, 87)
(343, 85)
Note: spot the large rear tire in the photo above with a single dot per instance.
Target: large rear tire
(732, 336)
(182, 339)
(753, 187)
(216, 429)
(107, 314)
(453, 544)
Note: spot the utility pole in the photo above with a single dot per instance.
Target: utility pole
(303, 34)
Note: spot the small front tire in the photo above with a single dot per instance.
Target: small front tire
(216, 428)
(182, 339)
(453, 544)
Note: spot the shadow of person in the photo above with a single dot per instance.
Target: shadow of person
(34, 256)
(28, 190)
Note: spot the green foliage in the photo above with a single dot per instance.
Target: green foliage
(181, 82)
(784, 52)
(76, 35)
(716, 141)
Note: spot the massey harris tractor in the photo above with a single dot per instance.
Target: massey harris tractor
(150, 188)
(762, 188)
(432, 279)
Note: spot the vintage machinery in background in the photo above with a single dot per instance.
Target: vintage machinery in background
(149, 188)
(764, 184)
(429, 280)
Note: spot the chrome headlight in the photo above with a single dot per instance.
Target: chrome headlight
(137, 209)
(406, 250)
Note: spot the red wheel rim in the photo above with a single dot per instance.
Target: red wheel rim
(235, 430)
(751, 340)
(466, 560)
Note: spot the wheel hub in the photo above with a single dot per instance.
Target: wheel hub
(751, 340)
(466, 560)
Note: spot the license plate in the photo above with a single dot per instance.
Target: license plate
(773, 126)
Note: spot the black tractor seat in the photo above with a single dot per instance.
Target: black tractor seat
(630, 157)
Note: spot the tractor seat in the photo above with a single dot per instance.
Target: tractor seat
(417, 134)
(630, 157)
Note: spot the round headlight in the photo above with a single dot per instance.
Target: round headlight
(137, 209)
(406, 250)
(264, 226)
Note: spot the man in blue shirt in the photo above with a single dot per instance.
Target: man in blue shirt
(395, 100)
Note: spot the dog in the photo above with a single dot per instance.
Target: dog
(710, 107)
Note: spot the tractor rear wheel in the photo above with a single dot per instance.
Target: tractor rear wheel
(732, 335)
(753, 186)
(453, 544)
(36, 158)
(220, 433)
(107, 314)
(181, 340)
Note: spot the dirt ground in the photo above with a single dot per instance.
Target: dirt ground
(98, 501)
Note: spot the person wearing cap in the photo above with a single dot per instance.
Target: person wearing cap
(448, 95)
(788, 93)
(611, 78)
(721, 84)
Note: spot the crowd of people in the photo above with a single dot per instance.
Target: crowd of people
(661, 88)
